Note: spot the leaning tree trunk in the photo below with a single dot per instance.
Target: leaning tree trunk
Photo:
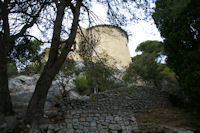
(5, 100)
(36, 105)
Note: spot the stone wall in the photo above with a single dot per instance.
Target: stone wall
(124, 100)
(108, 112)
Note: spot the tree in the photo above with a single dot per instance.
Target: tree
(26, 51)
(75, 10)
(144, 67)
(23, 14)
(154, 47)
(53, 19)
(67, 71)
(179, 24)
(101, 76)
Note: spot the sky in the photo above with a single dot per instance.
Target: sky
(140, 31)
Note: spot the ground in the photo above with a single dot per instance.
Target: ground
(173, 117)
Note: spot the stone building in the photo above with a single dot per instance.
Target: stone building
(102, 41)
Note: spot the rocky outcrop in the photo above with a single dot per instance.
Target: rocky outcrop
(7, 123)
(110, 111)
(22, 87)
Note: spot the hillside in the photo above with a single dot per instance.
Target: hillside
(137, 109)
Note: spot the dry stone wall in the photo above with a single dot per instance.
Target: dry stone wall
(108, 112)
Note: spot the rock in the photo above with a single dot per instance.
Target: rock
(2, 119)
(75, 95)
(117, 118)
(3, 128)
(133, 119)
(63, 130)
(114, 127)
(93, 124)
(43, 126)
(7, 123)
(22, 87)
(82, 119)
(11, 122)
(50, 131)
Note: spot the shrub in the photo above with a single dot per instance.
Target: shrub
(82, 83)
(12, 69)
(101, 75)
(144, 67)
(33, 69)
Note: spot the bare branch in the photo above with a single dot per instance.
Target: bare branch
(28, 25)
(72, 35)
(89, 43)
(69, 3)
(37, 39)
(56, 34)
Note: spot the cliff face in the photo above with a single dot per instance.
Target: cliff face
(106, 41)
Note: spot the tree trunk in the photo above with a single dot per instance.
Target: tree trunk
(36, 105)
(5, 100)
(37, 102)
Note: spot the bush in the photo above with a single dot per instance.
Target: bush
(101, 75)
(82, 83)
(12, 69)
(144, 67)
(33, 69)
(97, 75)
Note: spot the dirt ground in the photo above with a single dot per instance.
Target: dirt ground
(173, 117)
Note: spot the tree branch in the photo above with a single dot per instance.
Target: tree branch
(69, 3)
(36, 38)
(28, 25)
(72, 35)
(53, 54)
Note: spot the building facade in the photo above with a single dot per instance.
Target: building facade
(101, 41)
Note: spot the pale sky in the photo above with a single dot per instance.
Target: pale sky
(141, 31)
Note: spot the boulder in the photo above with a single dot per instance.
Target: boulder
(22, 87)
(7, 123)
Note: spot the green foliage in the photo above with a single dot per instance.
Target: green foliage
(101, 75)
(167, 73)
(26, 49)
(181, 27)
(12, 69)
(143, 67)
(82, 83)
(67, 71)
(93, 75)
(155, 47)
(68, 68)
(34, 68)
